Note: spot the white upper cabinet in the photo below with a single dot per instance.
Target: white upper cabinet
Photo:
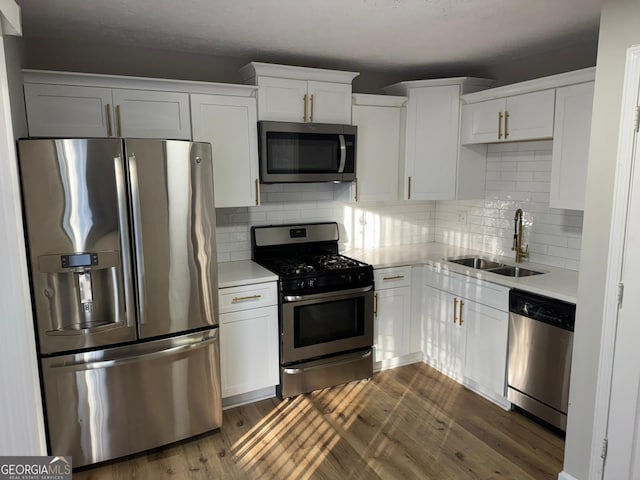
(517, 112)
(60, 110)
(510, 119)
(380, 122)
(282, 99)
(329, 102)
(152, 114)
(300, 94)
(68, 111)
(230, 125)
(431, 167)
(571, 146)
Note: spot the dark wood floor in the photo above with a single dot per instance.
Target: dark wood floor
(407, 423)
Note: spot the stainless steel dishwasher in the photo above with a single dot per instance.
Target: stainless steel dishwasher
(540, 346)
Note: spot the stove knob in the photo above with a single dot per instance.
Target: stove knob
(312, 282)
(302, 284)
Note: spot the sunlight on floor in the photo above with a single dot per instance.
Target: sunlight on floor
(305, 425)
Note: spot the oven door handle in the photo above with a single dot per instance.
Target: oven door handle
(342, 361)
(299, 298)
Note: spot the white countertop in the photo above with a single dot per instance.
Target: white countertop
(555, 282)
(243, 272)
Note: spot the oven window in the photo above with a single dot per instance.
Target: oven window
(328, 321)
(302, 153)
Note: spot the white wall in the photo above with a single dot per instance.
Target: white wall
(21, 418)
(619, 29)
(518, 176)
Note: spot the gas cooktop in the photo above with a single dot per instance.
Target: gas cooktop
(306, 258)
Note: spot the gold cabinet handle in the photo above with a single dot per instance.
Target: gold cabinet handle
(109, 126)
(356, 187)
(499, 125)
(311, 118)
(375, 304)
(304, 100)
(394, 277)
(506, 125)
(461, 321)
(455, 308)
(409, 195)
(257, 192)
(119, 120)
(245, 299)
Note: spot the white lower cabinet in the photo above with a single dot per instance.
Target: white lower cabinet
(465, 326)
(392, 327)
(486, 348)
(248, 338)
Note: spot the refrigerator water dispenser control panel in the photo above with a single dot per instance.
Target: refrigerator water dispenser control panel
(79, 260)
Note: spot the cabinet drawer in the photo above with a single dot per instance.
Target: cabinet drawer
(483, 292)
(234, 299)
(392, 277)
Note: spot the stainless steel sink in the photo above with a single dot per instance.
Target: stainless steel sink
(510, 271)
(479, 263)
(487, 265)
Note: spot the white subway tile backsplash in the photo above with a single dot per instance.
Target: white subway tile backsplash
(518, 176)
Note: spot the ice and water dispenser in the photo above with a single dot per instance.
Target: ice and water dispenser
(75, 207)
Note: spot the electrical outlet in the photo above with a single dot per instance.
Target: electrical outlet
(462, 216)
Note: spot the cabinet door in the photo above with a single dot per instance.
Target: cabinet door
(530, 116)
(572, 131)
(67, 111)
(481, 122)
(432, 142)
(152, 114)
(392, 323)
(486, 347)
(444, 339)
(249, 350)
(329, 102)
(282, 99)
(229, 124)
(378, 151)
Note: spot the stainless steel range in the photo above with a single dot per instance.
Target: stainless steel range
(325, 306)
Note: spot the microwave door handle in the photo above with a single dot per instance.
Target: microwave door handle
(343, 153)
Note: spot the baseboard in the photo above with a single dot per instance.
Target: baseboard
(397, 362)
(565, 476)
(249, 397)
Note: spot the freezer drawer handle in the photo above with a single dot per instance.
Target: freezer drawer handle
(81, 366)
(295, 371)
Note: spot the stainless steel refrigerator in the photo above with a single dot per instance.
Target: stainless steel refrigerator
(121, 240)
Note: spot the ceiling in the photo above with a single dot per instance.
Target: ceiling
(381, 35)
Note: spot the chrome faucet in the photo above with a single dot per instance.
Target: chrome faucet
(517, 238)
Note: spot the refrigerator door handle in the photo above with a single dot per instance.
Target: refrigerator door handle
(123, 216)
(137, 236)
(92, 365)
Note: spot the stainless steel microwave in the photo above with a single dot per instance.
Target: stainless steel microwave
(306, 152)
